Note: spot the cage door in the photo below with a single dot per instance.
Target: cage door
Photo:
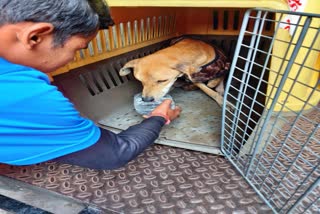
(271, 114)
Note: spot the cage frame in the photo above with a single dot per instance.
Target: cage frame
(255, 153)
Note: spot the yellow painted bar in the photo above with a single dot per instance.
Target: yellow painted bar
(102, 56)
(273, 4)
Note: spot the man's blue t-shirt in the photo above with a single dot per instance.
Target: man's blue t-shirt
(37, 123)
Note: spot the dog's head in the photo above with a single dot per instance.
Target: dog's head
(156, 75)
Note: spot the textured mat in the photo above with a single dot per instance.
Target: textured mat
(161, 180)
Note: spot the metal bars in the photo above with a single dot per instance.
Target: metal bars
(272, 135)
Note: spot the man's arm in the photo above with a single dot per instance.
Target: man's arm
(129, 143)
(115, 150)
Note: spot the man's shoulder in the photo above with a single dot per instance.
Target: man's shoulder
(30, 88)
(17, 72)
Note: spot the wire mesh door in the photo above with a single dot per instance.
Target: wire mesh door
(271, 111)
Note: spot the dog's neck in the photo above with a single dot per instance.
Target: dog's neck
(217, 56)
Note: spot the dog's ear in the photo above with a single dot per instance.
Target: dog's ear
(183, 68)
(186, 69)
(128, 67)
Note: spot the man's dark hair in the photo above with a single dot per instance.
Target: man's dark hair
(69, 17)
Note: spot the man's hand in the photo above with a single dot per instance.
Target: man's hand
(164, 110)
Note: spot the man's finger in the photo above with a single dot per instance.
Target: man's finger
(166, 103)
(178, 108)
(175, 112)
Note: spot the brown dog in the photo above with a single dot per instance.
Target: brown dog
(198, 61)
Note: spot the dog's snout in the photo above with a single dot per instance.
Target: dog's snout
(147, 99)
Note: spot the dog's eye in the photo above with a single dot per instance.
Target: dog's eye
(160, 81)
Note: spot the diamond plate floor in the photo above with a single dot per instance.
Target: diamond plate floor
(161, 180)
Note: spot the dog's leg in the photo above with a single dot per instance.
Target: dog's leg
(220, 88)
(211, 93)
(213, 83)
(190, 87)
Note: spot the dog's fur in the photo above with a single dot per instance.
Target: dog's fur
(186, 57)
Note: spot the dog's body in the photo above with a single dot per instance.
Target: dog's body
(197, 60)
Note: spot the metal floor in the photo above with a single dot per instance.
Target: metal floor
(163, 179)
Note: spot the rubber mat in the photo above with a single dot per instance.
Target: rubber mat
(160, 180)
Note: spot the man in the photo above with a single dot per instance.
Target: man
(37, 123)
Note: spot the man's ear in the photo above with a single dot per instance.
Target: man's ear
(34, 34)
(128, 67)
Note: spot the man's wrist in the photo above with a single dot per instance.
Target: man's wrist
(166, 117)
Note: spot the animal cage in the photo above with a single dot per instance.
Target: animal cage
(269, 130)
